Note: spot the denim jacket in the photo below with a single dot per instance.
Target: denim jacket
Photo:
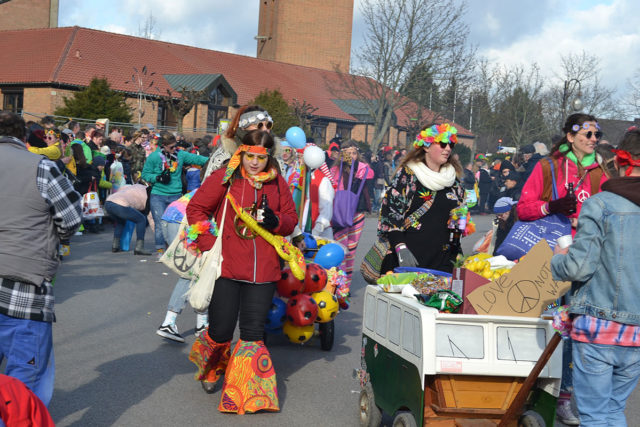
(603, 260)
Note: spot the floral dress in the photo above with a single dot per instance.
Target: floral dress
(417, 216)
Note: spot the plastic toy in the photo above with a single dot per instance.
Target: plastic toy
(277, 314)
(327, 306)
(297, 334)
(296, 137)
(316, 278)
(302, 310)
(289, 285)
(329, 255)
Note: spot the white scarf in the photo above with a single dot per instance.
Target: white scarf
(433, 180)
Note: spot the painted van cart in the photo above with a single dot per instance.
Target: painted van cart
(428, 368)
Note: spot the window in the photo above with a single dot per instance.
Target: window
(381, 318)
(395, 318)
(370, 312)
(464, 341)
(218, 108)
(319, 134)
(162, 114)
(411, 334)
(344, 132)
(520, 344)
(13, 99)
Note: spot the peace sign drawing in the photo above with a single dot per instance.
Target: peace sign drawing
(523, 296)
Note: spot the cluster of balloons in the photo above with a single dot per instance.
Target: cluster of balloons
(313, 156)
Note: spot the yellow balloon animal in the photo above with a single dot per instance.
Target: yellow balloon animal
(285, 250)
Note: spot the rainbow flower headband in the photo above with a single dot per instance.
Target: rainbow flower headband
(436, 133)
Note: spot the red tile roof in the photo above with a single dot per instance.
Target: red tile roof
(74, 55)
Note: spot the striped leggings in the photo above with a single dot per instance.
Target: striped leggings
(349, 238)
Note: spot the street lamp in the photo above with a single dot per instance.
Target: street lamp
(576, 104)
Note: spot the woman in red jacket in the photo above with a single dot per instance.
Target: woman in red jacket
(575, 162)
(250, 269)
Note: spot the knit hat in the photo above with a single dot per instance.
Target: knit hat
(284, 143)
(36, 139)
(503, 204)
(528, 149)
(512, 175)
(99, 161)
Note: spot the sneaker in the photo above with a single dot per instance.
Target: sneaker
(159, 253)
(200, 330)
(565, 413)
(170, 332)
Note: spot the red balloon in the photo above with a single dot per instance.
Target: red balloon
(302, 310)
(288, 285)
(315, 278)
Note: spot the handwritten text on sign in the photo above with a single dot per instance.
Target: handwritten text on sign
(525, 291)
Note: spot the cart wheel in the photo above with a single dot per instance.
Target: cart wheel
(370, 415)
(326, 335)
(404, 419)
(531, 419)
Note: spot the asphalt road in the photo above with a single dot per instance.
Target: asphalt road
(112, 368)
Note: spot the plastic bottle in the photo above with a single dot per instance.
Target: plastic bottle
(127, 234)
(571, 193)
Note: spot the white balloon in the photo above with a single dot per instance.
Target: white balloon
(313, 156)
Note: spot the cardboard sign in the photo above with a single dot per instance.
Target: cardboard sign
(525, 291)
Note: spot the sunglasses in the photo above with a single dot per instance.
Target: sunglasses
(597, 133)
(267, 125)
(261, 157)
(443, 145)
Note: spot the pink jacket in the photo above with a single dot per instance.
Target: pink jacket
(335, 171)
(530, 205)
(130, 196)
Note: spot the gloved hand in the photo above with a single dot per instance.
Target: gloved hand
(567, 205)
(405, 257)
(164, 177)
(317, 229)
(269, 219)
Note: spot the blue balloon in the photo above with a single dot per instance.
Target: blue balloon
(276, 316)
(329, 255)
(296, 137)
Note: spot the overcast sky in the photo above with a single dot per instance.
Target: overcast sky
(505, 31)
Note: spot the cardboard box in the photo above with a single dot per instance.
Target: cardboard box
(468, 281)
(525, 291)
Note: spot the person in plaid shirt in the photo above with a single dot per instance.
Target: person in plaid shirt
(39, 207)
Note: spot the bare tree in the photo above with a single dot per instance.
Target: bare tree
(403, 37)
(181, 106)
(148, 29)
(303, 112)
(579, 77)
(632, 99)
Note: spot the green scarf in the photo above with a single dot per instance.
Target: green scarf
(586, 161)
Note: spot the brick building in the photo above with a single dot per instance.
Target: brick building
(25, 14)
(42, 66)
(306, 32)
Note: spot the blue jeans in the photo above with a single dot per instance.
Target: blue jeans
(28, 347)
(603, 377)
(122, 214)
(158, 204)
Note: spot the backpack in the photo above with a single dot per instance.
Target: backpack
(345, 202)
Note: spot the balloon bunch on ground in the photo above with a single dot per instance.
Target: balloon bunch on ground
(302, 303)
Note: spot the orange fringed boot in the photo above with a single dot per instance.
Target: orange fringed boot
(211, 359)
(250, 380)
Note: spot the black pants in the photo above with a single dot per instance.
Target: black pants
(250, 300)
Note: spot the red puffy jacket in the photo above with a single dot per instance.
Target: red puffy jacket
(253, 260)
(530, 203)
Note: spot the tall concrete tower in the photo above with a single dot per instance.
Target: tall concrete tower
(314, 33)
(24, 14)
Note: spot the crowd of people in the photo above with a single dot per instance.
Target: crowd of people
(162, 181)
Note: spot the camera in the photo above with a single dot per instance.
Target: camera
(164, 177)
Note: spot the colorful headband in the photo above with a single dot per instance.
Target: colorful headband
(436, 133)
(585, 126)
(253, 118)
(234, 162)
(624, 158)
